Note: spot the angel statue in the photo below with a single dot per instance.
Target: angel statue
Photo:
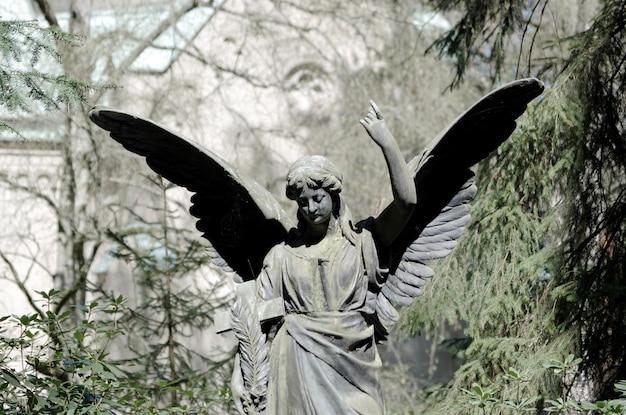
(334, 282)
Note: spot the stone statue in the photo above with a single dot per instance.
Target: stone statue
(317, 297)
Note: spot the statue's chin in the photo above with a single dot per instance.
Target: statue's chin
(317, 219)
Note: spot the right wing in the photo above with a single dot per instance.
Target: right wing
(444, 184)
(240, 218)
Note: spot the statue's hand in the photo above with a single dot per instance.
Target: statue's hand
(375, 126)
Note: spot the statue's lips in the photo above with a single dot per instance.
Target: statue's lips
(316, 218)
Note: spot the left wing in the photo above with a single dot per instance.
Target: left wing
(444, 184)
(435, 241)
(240, 218)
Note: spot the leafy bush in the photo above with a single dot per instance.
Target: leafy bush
(494, 399)
(50, 367)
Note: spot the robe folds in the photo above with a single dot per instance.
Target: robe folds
(323, 358)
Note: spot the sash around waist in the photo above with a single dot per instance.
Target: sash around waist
(337, 327)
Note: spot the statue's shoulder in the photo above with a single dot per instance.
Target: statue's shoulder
(277, 249)
(293, 239)
(374, 252)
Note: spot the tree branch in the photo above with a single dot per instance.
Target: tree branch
(21, 286)
(48, 14)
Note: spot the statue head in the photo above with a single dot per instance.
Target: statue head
(317, 174)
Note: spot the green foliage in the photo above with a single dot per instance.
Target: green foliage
(593, 276)
(72, 375)
(480, 34)
(541, 270)
(48, 368)
(30, 75)
(503, 395)
(498, 282)
(507, 394)
(56, 363)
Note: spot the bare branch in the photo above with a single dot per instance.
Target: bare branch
(48, 14)
(16, 279)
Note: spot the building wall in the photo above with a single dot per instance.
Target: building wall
(27, 224)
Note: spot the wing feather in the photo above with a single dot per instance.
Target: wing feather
(445, 228)
(441, 236)
(396, 295)
(240, 218)
(413, 273)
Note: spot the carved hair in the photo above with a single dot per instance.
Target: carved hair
(313, 172)
(318, 172)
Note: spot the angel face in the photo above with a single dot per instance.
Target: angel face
(315, 205)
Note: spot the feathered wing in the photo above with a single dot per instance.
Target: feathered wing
(445, 186)
(240, 218)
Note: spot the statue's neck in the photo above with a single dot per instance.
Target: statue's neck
(315, 234)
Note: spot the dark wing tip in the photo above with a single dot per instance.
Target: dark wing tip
(103, 116)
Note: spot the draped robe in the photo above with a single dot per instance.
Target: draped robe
(323, 358)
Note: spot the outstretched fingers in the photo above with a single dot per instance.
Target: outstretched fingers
(372, 116)
(376, 110)
(368, 119)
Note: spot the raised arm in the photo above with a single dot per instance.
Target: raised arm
(391, 221)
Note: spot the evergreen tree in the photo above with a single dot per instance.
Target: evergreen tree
(29, 76)
(540, 276)
(177, 302)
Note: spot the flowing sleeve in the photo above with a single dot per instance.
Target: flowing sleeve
(375, 270)
(269, 282)
(375, 267)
